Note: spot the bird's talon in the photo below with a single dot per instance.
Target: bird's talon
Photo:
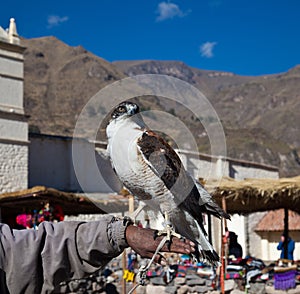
(155, 234)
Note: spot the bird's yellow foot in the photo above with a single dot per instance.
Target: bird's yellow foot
(169, 232)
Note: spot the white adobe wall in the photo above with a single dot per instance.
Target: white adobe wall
(269, 242)
(93, 172)
(241, 172)
(51, 165)
(201, 166)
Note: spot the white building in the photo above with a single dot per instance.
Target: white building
(13, 122)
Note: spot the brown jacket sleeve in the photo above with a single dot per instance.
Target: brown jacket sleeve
(37, 261)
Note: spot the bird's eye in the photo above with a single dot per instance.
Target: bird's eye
(121, 109)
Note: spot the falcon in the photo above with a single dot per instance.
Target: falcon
(152, 171)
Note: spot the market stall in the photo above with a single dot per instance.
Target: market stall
(255, 195)
(27, 201)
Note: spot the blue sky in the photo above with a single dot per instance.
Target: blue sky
(245, 37)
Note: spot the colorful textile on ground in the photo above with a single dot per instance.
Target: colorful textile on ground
(285, 280)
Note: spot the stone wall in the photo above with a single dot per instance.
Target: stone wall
(13, 167)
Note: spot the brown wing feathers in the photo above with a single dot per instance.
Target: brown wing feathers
(167, 165)
(162, 157)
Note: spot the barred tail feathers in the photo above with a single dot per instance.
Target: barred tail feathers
(206, 251)
(187, 226)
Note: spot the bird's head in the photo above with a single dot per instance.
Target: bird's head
(125, 109)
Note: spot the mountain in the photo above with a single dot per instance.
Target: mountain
(58, 82)
(259, 114)
(205, 80)
(252, 102)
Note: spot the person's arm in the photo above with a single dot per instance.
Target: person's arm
(280, 245)
(37, 261)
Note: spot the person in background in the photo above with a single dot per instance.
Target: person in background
(37, 261)
(132, 259)
(290, 247)
(235, 248)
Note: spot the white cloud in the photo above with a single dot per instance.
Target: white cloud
(168, 10)
(206, 49)
(55, 20)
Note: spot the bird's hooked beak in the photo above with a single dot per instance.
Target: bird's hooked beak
(132, 109)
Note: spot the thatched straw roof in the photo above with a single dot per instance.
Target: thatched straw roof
(253, 195)
(72, 203)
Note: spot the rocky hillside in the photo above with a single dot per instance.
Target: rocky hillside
(260, 114)
(59, 80)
